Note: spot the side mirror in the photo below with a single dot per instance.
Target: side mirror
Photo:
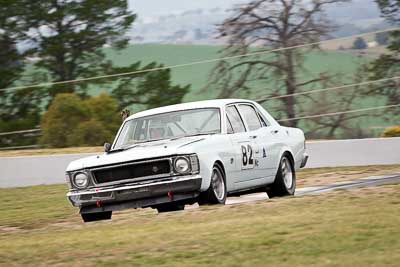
(107, 147)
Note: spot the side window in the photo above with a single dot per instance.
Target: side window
(235, 120)
(250, 116)
(229, 127)
(263, 121)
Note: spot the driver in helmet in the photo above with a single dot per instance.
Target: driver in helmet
(157, 130)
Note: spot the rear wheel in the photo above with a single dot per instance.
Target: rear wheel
(285, 180)
(216, 193)
(168, 207)
(98, 216)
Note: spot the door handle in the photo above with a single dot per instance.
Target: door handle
(253, 136)
(275, 131)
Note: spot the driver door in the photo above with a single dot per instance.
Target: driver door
(245, 149)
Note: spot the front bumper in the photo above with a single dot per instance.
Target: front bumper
(304, 160)
(136, 195)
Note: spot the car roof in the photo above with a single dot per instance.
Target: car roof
(216, 103)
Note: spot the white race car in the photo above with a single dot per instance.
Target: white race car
(200, 152)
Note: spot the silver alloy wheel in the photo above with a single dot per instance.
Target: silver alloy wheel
(218, 184)
(287, 173)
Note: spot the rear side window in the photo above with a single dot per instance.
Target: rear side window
(264, 124)
(235, 120)
(250, 116)
(229, 127)
(264, 121)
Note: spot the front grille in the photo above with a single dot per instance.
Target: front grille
(129, 172)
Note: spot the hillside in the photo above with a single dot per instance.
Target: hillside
(194, 22)
(333, 62)
(342, 63)
(197, 76)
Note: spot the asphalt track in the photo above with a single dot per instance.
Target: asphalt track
(360, 183)
(50, 169)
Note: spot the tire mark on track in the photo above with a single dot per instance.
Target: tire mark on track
(363, 182)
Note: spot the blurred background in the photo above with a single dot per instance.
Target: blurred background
(68, 68)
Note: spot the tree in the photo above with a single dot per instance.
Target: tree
(388, 64)
(11, 31)
(89, 133)
(382, 38)
(341, 125)
(19, 109)
(64, 115)
(11, 60)
(104, 109)
(72, 121)
(68, 37)
(11, 65)
(149, 89)
(263, 25)
(360, 44)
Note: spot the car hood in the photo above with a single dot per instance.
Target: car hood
(140, 151)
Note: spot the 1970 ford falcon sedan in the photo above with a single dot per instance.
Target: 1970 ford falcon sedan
(200, 152)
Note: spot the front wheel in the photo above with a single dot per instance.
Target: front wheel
(285, 180)
(216, 193)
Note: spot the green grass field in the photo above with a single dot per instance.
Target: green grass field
(198, 75)
(330, 61)
(345, 228)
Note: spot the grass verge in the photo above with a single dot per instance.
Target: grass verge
(323, 176)
(344, 228)
(50, 151)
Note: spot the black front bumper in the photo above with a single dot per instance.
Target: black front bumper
(136, 195)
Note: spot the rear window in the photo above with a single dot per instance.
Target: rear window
(235, 120)
(250, 116)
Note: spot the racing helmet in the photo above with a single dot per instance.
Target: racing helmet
(157, 129)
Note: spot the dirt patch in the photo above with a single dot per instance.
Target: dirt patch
(7, 229)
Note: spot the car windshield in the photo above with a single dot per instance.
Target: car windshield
(169, 126)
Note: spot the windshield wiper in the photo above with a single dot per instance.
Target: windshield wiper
(134, 145)
(153, 140)
(122, 149)
(198, 134)
(147, 141)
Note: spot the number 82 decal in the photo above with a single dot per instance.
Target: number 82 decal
(247, 157)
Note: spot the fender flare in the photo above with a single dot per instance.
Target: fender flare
(288, 150)
(206, 173)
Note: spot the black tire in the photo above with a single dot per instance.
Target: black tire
(168, 207)
(99, 216)
(216, 193)
(281, 188)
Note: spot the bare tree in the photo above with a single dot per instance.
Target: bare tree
(346, 124)
(264, 25)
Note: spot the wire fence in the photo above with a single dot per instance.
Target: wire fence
(19, 147)
(213, 60)
(274, 97)
(205, 61)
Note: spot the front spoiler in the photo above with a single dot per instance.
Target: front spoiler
(136, 195)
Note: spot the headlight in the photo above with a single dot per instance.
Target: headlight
(182, 165)
(81, 180)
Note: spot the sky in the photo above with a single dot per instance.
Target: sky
(157, 7)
